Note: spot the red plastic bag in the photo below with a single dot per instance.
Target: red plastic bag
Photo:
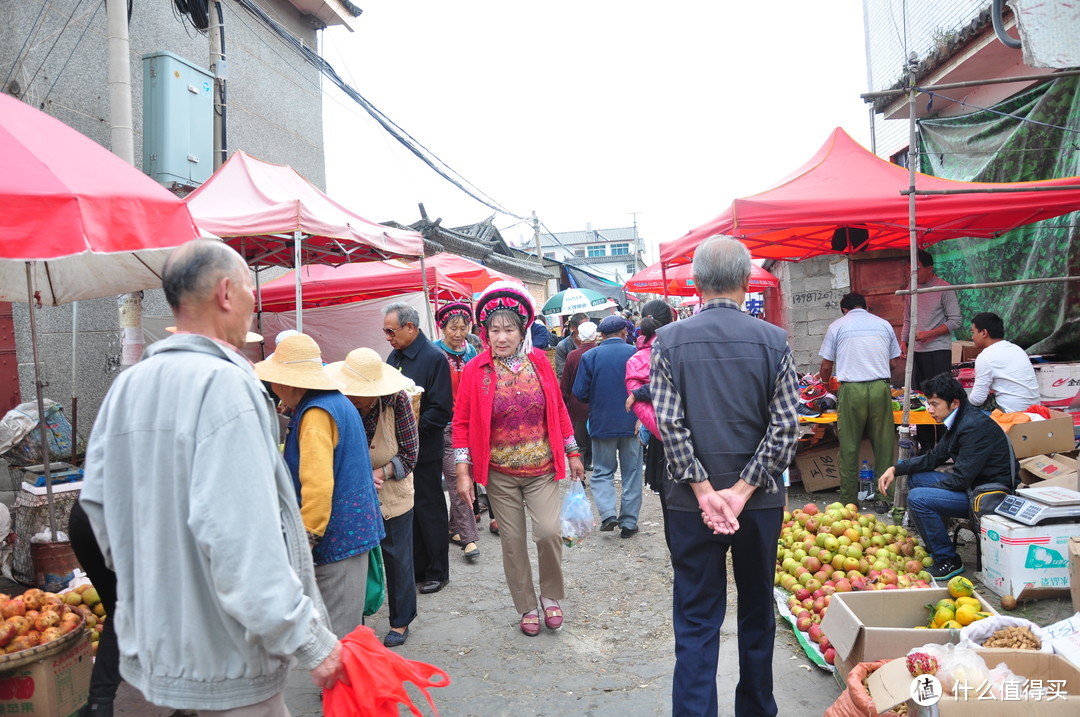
(377, 679)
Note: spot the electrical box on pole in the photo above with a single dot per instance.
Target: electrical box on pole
(178, 120)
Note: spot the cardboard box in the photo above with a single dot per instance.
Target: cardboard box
(880, 624)
(56, 686)
(1025, 561)
(1070, 481)
(1040, 468)
(1054, 435)
(1058, 381)
(1054, 687)
(964, 351)
(1074, 571)
(819, 468)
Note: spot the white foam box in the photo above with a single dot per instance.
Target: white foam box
(1058, 381)
(880, 624)
(1028, 562)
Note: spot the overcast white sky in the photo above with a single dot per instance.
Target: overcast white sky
(588, 110)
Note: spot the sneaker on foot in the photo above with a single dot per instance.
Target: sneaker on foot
(945, 569)
(628, 532)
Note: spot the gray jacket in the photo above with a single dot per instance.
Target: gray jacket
(194, 509)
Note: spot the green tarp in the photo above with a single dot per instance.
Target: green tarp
(998, 145)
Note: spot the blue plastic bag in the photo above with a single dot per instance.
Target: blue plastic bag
(576, 516)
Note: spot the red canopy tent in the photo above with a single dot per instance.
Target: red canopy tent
(466, 271)
(275, 217)
(329, 285)
(680, 280)
(845, 186)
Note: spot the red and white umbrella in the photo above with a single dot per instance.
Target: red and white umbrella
(78, 223)
(86, 222)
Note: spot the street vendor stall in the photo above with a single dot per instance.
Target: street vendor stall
(79, 223)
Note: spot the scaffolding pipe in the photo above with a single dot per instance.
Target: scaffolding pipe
(879, 94)
(987, 285)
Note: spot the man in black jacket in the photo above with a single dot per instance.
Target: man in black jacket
(416, 357)
(981, 454)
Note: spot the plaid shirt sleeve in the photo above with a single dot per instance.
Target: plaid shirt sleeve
(777, 449)
(407, 436)
(682, 465)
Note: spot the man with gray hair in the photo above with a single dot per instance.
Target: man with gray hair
(416, 357)
(193, 507)
(725, 392)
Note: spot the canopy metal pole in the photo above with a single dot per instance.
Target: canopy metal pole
(905, 430)
(38, 385)
(258, 315)
(991, 190)
(74, 382)
(663, 278)
(297, 239)
(427, 299)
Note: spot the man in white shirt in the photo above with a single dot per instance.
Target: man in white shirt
(1001, 368)
(861, 347)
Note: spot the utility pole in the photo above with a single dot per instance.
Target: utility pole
(123, 145)
(219, 66)
(539, 249)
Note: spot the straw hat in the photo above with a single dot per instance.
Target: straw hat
(365, 374)
(251, 338)
(297, 362)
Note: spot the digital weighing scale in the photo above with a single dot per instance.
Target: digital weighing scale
(1032, 506)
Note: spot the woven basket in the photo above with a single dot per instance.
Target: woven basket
(415, 393)
(12, 660)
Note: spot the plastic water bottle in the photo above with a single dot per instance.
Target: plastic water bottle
(866, 481)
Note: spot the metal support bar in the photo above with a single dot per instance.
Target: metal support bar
(989, 190)
(987, 285)
(870, 96)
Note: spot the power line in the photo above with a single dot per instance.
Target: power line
(404, 138)
(71, 54)
(52, 46)
(19, 57)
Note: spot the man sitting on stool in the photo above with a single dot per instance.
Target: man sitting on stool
(981, 454)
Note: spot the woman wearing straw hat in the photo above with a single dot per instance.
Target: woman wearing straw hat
(513, 434)
(326, 452)
(378, 392)
(454, 320)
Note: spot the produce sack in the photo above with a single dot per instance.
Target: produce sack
(575, 517)
(855, 700)
(980, 631)
(377, 677)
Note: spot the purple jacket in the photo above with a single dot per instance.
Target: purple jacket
(637, 375)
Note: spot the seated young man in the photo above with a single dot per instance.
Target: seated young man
(981, 454)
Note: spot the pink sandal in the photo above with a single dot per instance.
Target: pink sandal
(553, 617)
(530, 624)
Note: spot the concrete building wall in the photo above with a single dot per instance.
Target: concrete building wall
(53, 55)
(812, 290)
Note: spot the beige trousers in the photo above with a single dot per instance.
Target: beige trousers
(511, 498)
(273, 707)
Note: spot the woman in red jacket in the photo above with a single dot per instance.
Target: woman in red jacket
(512, 433)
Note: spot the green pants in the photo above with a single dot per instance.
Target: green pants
(864, 409)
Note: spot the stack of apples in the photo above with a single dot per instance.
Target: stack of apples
(37, 617)
(822, 552)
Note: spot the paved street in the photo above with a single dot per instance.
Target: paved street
(613, 657)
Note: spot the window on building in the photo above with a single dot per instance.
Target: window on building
(549, 255)
(579, 252)
(630, 269)
(620, 249)
(600, 250)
